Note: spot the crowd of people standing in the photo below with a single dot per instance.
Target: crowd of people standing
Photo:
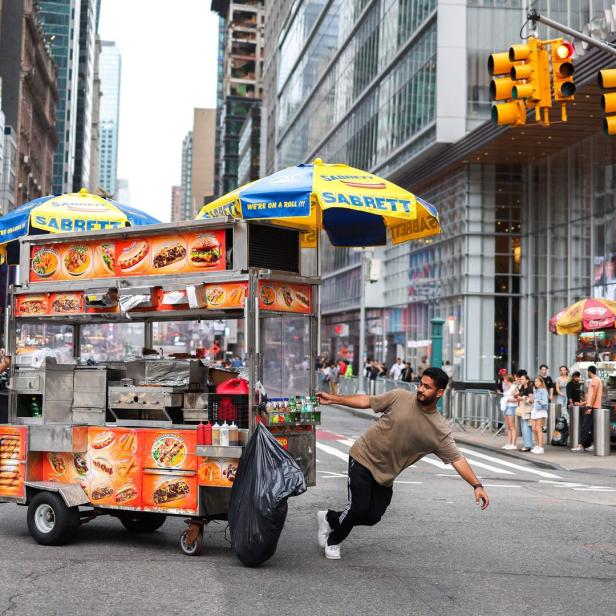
(528, 400)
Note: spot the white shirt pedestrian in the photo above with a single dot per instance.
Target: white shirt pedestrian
(396, 370)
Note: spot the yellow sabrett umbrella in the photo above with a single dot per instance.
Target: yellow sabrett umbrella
(354, 207)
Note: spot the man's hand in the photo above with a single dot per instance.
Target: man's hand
(325, 398)
(481, 497)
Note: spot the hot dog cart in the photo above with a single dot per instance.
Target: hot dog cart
(122, 437)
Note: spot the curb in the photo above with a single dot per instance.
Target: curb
(511, 454)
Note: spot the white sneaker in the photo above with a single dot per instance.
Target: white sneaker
(507, 446)
(577, 448)
(324, 528)
(591, 448)
(537, 450)
(510, 446)
(332, 552)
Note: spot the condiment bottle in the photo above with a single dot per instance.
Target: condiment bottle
(216, 434)
(224, 435)
(200, 434)
(233, 434)
(207, 434)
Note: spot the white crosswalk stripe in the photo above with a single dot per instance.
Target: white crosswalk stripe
(332, 451)
(519, 467)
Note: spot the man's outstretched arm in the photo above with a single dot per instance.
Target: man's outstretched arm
(463, 468)
(358, 401)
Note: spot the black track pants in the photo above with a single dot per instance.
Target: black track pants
(368, 501)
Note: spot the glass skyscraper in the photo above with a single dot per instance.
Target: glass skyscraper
(60, 20)
(110, 67)
(400, 88)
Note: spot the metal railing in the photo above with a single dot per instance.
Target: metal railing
(348, 386)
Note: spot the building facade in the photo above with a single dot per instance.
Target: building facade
(400, 89)
(203, 157)
(249, 147)
(85, 94)
(94, 172)
(61, 23)
(8, 172)
(110, 68)
(241, 79)
(186, 183)
(177, 204)
(29, 96)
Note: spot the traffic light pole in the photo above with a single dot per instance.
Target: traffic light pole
(535, 17)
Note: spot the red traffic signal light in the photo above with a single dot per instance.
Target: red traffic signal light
(564, 50)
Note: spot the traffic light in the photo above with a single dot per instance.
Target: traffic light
(510, 112)
(562, 74)
(607, 81)
(531, 73)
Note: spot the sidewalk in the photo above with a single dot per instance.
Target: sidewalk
(559, 458)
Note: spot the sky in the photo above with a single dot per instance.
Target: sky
(169, 54)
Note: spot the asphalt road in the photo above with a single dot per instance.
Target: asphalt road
(546, 545)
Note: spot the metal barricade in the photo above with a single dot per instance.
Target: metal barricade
(473, 408)
(601, 432)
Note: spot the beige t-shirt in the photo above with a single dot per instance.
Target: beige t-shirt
(405, 433)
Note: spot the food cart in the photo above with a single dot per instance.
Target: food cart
(125, 437)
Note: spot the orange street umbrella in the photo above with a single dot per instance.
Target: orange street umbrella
(587, 315)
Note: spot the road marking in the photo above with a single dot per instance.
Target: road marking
(346, 441)
(435, 462)
(519, 467)
(400, 481)
(595, 489)
(562, 484)
(502, 471)
(498, 485)
(333, 451)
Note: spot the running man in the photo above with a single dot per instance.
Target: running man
(409, 429)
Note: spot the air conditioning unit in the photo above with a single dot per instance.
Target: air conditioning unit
(26, 159)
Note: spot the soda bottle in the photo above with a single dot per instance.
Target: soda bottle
(216, 434)
(200, 434)
(35, 407)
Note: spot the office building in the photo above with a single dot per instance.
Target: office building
(401, 89)
(60, 20)
(241, 79)
(8, 171)
(123, 191)
(249, 147)
(29, 96)
(203, 156)
(85, 94)
(186, 181)
(110, 68)
(94, 171)
(177, 204)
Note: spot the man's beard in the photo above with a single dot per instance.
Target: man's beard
(426, 401)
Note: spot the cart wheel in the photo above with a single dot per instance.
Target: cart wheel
(192, 549)
(136, 522)
(50, 521)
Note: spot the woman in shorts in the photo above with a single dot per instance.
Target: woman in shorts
(508, 406)
(539, 413)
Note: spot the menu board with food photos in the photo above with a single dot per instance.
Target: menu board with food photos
(146, 256)
(285, 297)
(13, 441)
(37, 304)
(226, 295)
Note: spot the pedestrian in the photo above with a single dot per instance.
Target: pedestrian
(523, 409)
(407, 374)
(560, 388)
(373, 374)
(575, 393)
(423, 364)
(334, 374)
(508, 406)
(348, 371)
(500, 381)
(396, 370)
(448, 370)
(539, 413)
(325, 375)
(593, 401)
(549, 383)
(409, 429)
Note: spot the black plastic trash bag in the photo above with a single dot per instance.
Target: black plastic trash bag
(560, 436)
(267, 475)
